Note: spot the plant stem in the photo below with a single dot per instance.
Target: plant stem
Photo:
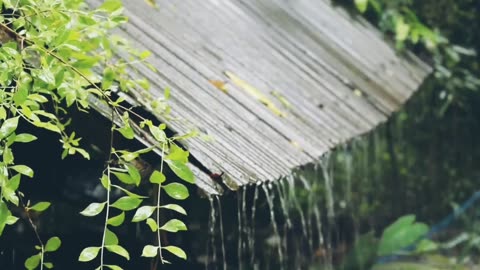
(158, 208)
(106, 219)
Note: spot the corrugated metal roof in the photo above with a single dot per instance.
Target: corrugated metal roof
(301, 76)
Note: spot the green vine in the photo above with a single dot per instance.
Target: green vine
(58, 54)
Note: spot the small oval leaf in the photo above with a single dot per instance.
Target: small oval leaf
(116, 220)
(88, 254)
(175, 207)
(176, 251)
(32, 262)
(53, 244)
(149, 251)
(176, 191)
(118, 250)
(181, 170)
(143, 213)
(174, 225)
(157, 177)
(93, 209)
(127, 203)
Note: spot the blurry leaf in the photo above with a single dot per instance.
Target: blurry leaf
(41, 206)
(401, 234)
(143, 213)
(152, 3)
(176, 191)
(402, 29)
(118, 250)
(88, 254)
(175, 207)
(361, 5)
(127, 203)
(93, 209)
(149, 251)
(53, 244)
(176, 251)
(174, 225)
(111, 5)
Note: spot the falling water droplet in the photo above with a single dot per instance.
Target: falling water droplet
(251, 238)
(239, 215)
(221, 232)
(276, 235)
(212, 223)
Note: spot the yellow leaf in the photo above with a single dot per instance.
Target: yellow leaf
(220, 85)
(255, 93)
(282, 99)
(151, 3)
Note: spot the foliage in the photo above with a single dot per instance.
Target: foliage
(56, 55)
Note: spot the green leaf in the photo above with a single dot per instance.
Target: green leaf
(157, 177)
(181, 170)
(88, 254)
(113, 267)
(11, 220)
(177, 154)
(175, 207)
(25, 170)
(14, 182)
(33, 262)
(116, 220)
(3, 113)
(134, 174)
(174, 225)
(152, 224)
(127, 132)
(7, 155)
(118, 250)
(53, 244)
(402, 233)
(127, 203)
(157, 133)
(176, 251)
(40, 207)
(25, 138)
(8, 127)
(4, 214)
(149, 251)
(143, 213)
(111, 5)
(48, 265)
(110, 238)
(402, 29)
(125, 178)
(176, 191)
(361, 5)
(93, 209)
